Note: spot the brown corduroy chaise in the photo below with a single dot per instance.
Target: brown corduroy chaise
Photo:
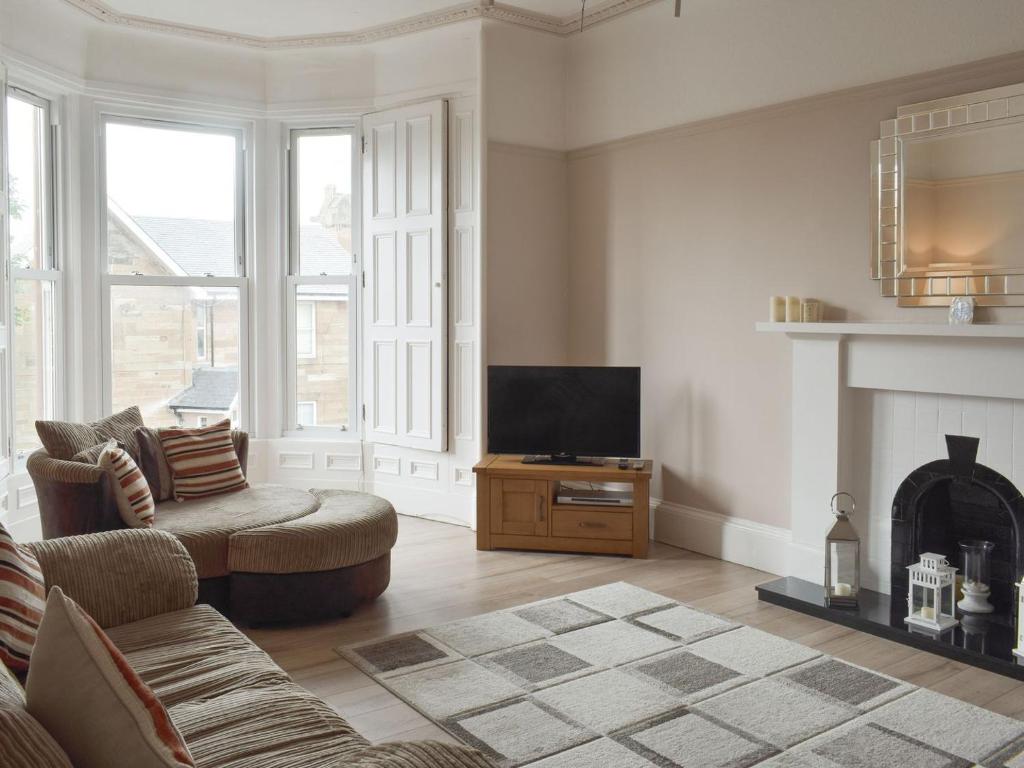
(232, 705)
(268, 553)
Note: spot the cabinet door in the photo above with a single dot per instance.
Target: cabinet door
(519, 507)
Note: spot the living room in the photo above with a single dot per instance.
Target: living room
(292, 289)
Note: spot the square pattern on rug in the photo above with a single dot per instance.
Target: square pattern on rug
(622, 677)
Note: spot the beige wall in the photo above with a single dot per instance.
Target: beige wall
(527, 268)
(676, 242)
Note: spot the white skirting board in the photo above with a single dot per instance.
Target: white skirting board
(756, 545)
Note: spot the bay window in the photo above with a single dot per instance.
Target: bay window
(321, 285)
(33, 265)
(175, 293)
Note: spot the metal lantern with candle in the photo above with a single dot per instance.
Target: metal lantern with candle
(930, 602)
(842, 557)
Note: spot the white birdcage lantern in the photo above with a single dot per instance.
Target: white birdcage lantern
(930, 602)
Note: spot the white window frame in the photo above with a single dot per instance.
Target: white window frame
(292, 428)
(49, 271)
(242, 135)
(311, 354)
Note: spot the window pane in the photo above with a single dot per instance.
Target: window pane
(170, 201)
(306, 414)
(154, 357)
(29, 192)
(305, 325)
(322, 375)
(324, 203)
(34, 360)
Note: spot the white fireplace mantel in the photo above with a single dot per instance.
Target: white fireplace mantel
(830, 359)
(986, 331)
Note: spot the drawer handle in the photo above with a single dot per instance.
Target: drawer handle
(585, 524)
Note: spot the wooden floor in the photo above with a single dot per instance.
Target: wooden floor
(438, 575)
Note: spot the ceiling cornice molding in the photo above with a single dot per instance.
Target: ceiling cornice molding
(478, 9)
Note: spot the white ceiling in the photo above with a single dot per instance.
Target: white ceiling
(272, 19)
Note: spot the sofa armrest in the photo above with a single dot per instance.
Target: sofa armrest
(241, 441)
(420, 754)
(120, 576)
(74, 497)
(47, 469)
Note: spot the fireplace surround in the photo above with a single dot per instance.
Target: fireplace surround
(949, 500)
(874, 386)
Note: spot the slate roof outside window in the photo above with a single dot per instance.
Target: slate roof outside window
(200, 246)
(213, 389)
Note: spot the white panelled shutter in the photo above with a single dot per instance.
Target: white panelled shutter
(6, 310)
(405, 260)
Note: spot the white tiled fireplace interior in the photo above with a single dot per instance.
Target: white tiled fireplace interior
(893, 433)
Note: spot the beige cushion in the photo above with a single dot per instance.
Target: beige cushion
(154, 464)
(92, 455)
(81, 689)
(131, 491)
(63, 439)
(205, 525)
(349, 528)
(194, 654)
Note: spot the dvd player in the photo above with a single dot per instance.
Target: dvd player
(594, 497)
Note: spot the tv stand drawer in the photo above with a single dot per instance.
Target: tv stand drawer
(592, 524)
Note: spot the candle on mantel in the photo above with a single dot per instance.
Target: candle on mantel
(810, 311)
(792, 309)
(928, 612)
(843, 589)
(777, 309)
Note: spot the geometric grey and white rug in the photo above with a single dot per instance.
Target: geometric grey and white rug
(622, 677)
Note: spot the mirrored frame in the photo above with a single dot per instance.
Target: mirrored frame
(916, 287)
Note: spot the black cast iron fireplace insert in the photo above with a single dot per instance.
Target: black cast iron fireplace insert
(944, 502)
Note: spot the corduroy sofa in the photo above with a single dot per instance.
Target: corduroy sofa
(265, 554)
(234, 707)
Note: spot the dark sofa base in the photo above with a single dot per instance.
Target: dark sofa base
(215, 593)
(270, 598)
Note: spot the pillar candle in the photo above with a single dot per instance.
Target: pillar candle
(810, 311)
(792, 309)
(777, 309)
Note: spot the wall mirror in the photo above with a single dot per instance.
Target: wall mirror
(947, 184)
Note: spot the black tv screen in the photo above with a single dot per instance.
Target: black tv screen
(573, 410)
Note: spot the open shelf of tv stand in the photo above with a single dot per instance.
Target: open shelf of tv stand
(516, 508)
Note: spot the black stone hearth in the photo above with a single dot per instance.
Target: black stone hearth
(987, 643)
(936, 507)
(949, 500)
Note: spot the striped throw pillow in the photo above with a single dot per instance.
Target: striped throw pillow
(85, 693)
(22, 599)
(203, 461)
(131, 491)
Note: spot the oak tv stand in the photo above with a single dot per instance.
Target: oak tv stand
(516, 508)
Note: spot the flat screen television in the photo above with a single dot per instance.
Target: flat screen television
(563, 411)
